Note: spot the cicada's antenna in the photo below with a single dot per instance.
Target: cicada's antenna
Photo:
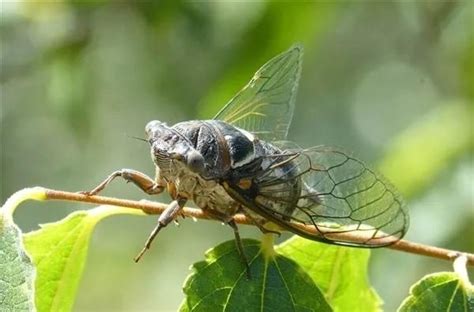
(136, 138)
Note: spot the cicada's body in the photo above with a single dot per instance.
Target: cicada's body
(232, 158)
(240, 162)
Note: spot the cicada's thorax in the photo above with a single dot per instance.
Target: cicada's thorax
(232, 156)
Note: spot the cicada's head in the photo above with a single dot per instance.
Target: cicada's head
(167, 145)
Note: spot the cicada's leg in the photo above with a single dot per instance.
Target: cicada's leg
(240, 247)
(227, 218)
(144, 182)
(165, 218)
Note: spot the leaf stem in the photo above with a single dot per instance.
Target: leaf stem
(151, 207)
(267, 245)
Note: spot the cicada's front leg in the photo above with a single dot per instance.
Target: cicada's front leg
(144, 182)
(165, 218)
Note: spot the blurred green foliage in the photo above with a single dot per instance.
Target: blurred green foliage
(78, 78)
(427, 148)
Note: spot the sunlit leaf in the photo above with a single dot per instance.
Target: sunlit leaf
(340, 272)
(277, 283)
(445, 291)
(59, 252)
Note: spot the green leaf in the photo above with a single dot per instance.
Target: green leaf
(17, 273)
(444, 291)
(340, 272)
(277, 284)
(59, 253)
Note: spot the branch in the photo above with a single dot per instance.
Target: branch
(157, 208)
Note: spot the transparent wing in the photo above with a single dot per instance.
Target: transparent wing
(339, 200)
(265, 105)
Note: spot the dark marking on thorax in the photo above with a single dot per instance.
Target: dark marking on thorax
(222, 146)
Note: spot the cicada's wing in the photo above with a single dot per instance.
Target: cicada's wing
(339, 200)
(265, 105)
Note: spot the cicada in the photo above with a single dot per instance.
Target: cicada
(240, 162)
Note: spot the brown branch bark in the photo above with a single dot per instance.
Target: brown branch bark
(157, 208)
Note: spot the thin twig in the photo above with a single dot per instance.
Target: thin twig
(157, 208)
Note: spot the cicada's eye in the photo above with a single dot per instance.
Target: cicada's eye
(195, 161)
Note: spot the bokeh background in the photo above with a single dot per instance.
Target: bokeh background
(391, 81)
